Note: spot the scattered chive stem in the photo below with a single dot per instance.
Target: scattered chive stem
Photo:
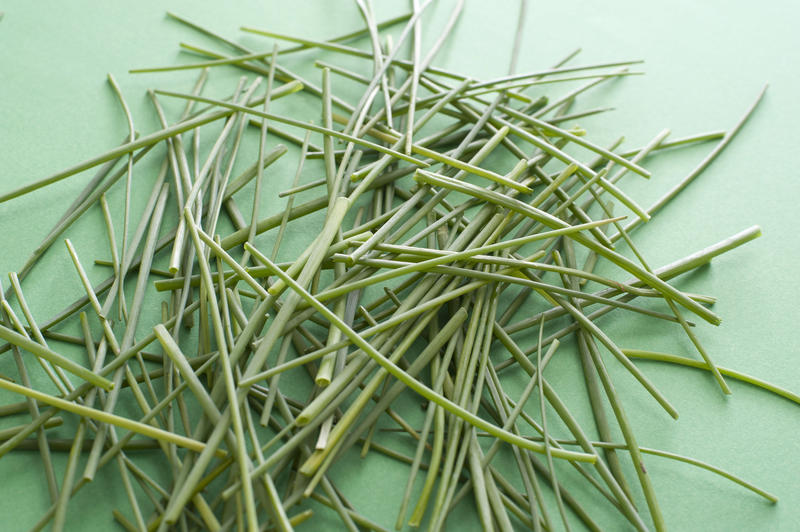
(448, 231)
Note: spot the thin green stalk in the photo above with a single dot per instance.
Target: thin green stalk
(54, 358)
(142, 142)
(434, 415)
(56, 374)
(241, 451)
(259, 55)
(707, 160)
(630, 439)
(104, 417)
(692, 337)
(261, 149)
(128, 183)
(43, 445)
(548, 453)
(734, 374)
(592, 386)
(231, 107)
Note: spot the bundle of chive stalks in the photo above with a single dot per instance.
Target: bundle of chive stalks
(452, 257)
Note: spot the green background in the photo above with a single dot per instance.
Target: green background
(705, 63)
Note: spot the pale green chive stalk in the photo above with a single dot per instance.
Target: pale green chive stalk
(128, 182)
(230, 387)
(259, 55)
(33, 409)
(54, 358)
(231, 107)
(683, 183)
(104, 417)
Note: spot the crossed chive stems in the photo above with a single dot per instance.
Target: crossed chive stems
(464, 235)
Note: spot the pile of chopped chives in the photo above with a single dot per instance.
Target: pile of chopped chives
(438, 279)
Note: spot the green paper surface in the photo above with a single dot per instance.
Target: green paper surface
(705, 62)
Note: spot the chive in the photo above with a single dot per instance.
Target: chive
(381, 69)
(104, 417)
(683, 183)
(143, 142)
(674, 359)
(201, 178)
(133, 318)
(524, 461)
(95, 303)
(112, 239)
(54, 358)
(260, 165)
(327, 142)
(705, 137)
(260, 55)
(316, 465)
(432, 274)
(228, 374)
(282, 74)
(655, 452)
(414, 81)
(128, 183)
(367, 15)
(284, 120)
(33, 410)
(576, 140)
(692, 337)
(11, 431)
(301, 188)
(574, 427)
(438, 444)
(62, 382)
(76, 211)
(237, 184)
(593, 389)
(678, 267)
(354, 410)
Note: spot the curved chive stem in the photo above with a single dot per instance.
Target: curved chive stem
(128, 183)
(734, 374)
(707, 160)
